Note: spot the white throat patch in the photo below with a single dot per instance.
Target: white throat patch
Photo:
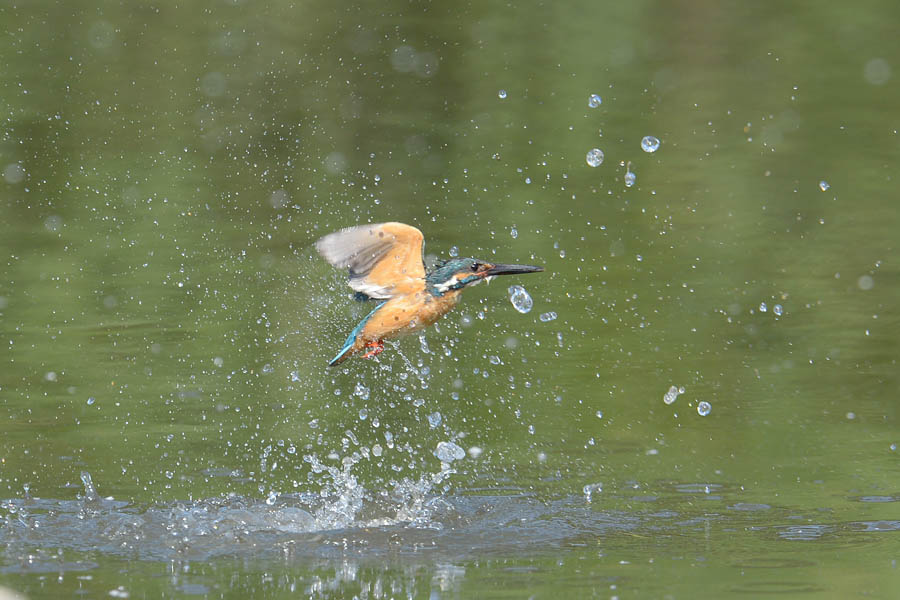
(447, 284)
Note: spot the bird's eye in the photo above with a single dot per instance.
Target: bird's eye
(476, 266)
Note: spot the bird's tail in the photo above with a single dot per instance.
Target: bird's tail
(349, 346)
(345, 352)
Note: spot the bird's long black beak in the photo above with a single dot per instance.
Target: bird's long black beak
(511, 270)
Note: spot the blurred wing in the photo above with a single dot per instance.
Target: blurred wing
(379, 256)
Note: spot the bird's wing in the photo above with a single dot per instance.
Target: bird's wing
(380, 257)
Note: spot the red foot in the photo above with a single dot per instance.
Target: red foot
(376, 349)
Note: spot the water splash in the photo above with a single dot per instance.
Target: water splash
(672, 394)
(630, 177)
(594, 157)
(649, 144)
(520, 298)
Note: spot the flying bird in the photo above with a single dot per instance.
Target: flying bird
(386, 263)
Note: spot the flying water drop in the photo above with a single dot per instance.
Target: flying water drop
(595, 100)
(670, 396)
(520, 298)
(630, 177)
(448, 452)
(594, 157)
(649, 144)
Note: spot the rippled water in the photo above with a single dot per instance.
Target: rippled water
(327, 545)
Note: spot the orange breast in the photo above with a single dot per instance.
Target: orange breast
(406, 314)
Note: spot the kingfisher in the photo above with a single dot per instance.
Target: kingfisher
(386, 263)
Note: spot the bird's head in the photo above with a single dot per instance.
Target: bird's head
(457, 273)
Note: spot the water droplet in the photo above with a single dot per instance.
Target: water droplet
(363, 414)
(434, 419)
(475, 451)
(672, 395)
(865, 283)
(218, 361)
(548, 316)
(454, 251)
(763, 307)
(823, 185)
(520, 298)
(703, 408)
(502, 94)
(629, 178)
(91, 400)
(377, 450)
(514, 232)
(649, 144)
(590, 489)
(448, 452)
(595, 100)
(599, 414)
(594, 157)
(778, 310)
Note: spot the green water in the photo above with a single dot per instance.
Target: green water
(165, 321)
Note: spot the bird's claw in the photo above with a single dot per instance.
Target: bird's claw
(376, 349)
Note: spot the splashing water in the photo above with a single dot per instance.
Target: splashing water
(630, 177)
(520, 299)
(649, 144)
(594, 157)
(447, 452)
(670, 396)
(590, 489)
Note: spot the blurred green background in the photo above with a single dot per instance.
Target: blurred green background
(165, 322)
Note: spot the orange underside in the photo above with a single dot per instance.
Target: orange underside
(403, 315)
